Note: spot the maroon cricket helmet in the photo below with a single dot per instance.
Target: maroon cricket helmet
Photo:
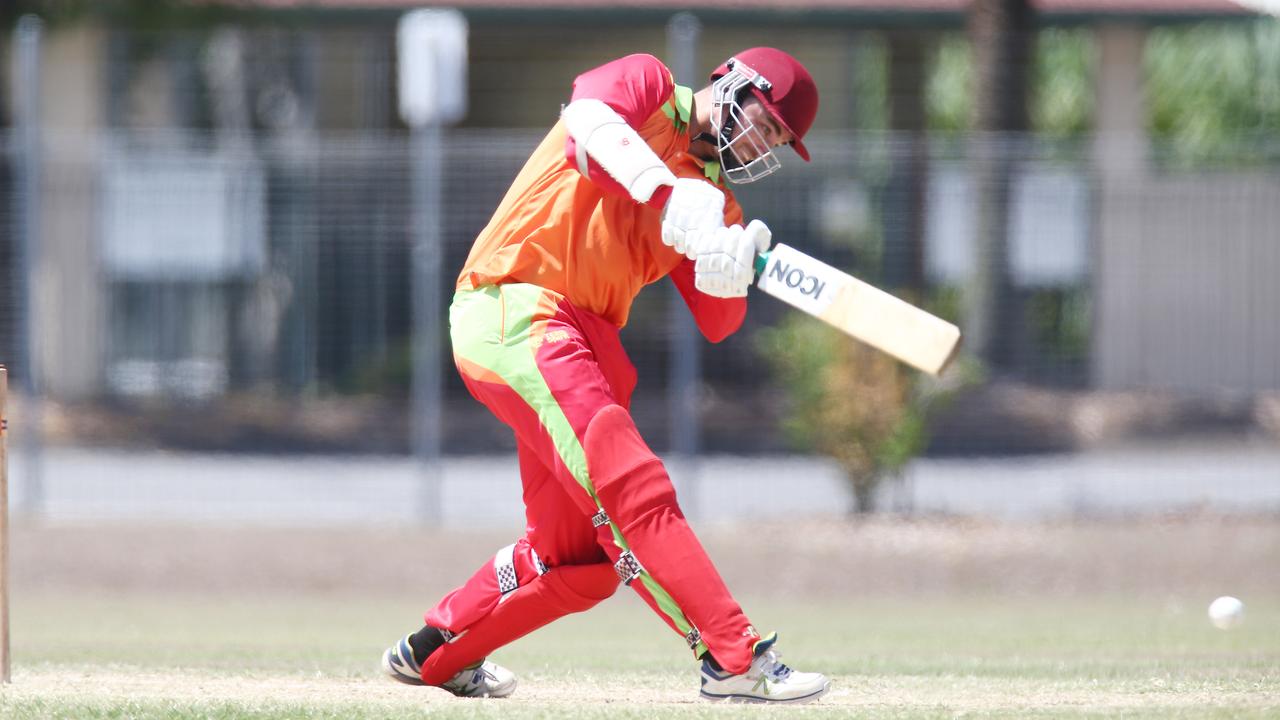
(784, 86)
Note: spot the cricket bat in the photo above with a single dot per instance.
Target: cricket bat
(867, 313)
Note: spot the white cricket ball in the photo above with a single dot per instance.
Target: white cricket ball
(1226, 612)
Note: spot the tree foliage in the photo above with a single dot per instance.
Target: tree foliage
(846, 401)
(1062, 91)
(1208, 86)
(1213, 89)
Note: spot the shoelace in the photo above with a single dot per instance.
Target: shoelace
(478, 676)
(481, 675)
(772, 666)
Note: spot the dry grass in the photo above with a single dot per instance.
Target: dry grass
(819, 558)
(912, 619)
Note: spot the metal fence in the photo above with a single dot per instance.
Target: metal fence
(249, 288)
(187, 266)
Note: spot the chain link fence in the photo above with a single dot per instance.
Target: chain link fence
(225, 264)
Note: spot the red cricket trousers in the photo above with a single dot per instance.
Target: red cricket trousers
(599, 505)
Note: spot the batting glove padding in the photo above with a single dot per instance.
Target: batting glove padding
(725, 258)
(695, 206)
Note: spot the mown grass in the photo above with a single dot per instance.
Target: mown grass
(233, 658)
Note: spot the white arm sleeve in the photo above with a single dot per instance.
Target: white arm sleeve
(603, 135)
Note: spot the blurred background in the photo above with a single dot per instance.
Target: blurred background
(219, 241)
(241, 461)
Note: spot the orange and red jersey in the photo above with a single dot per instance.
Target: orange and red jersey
(583, 236)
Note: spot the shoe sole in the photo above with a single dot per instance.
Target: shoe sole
(757, 700)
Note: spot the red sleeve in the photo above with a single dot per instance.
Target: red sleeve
(634, 87)
(717, 318)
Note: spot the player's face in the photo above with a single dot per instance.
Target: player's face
(771, 132)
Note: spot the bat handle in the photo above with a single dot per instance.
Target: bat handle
(762, 260)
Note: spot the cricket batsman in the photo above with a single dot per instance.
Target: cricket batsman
(626, 189)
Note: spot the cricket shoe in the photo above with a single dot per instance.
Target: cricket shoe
(483, 679)
(766, 680)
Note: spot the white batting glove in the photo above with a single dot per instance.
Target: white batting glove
(694, 206)
(726, 258)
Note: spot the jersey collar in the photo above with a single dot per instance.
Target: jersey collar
(712, 170)
(679, 108)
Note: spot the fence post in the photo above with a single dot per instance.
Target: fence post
(427, 326)
(685, 372)
(27, 41)
(4, 529)
(432, 49)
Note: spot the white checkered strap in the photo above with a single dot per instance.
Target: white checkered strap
(627, 567)
(537, 562)
(504, 566)
(694, 638)
(600, 518)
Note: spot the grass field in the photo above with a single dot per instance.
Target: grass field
(84, 651)
(280, 658)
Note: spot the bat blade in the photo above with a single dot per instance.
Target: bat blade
(859, 309)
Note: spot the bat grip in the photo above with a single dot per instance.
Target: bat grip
(762, 260)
